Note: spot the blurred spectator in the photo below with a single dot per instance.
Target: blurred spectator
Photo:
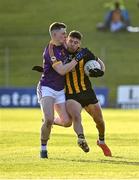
(138, 4)
(116, 19)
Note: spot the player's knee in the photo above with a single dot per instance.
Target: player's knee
(48, 121)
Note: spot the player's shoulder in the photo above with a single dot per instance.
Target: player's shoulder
(46, 52)
(49, 50)
(88, 51)
(56, 50)
(89, 54)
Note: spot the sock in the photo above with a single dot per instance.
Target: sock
(81, 136)
(101, 139)
(43, 147)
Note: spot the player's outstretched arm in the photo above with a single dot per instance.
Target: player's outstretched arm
(63, 69)
(59, 67)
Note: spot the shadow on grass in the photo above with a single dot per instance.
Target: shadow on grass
(120, 162)
(109, 161)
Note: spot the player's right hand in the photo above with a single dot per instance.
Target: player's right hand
(80, 54)
(96, 73)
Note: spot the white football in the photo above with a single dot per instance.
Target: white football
(91, 64)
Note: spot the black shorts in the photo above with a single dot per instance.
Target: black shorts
(84, 98)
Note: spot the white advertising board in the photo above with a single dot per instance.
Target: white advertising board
(128, 96)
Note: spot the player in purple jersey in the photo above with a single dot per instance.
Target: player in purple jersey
(50, 89)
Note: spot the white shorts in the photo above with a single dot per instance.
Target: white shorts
(43, 91)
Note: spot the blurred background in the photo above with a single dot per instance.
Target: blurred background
(24, 34)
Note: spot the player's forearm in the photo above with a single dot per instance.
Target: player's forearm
(102, 65)
(68, 67)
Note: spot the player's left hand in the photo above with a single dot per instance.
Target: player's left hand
(96, 73)
(38, 68)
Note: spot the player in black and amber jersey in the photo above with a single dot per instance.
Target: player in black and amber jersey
(80, 94)
(77, 82)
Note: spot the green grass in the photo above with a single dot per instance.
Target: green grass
(24, 30)
(19, 141)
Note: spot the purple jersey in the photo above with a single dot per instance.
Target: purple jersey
(50, 77)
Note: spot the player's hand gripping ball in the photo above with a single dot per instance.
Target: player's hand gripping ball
(93, 69)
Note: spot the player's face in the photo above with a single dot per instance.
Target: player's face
(73, 44)
(60, 36)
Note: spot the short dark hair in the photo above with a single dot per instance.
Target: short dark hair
(117, 5)
(56, 26)
(75, 34)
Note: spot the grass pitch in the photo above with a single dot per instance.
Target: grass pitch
(20, 147)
